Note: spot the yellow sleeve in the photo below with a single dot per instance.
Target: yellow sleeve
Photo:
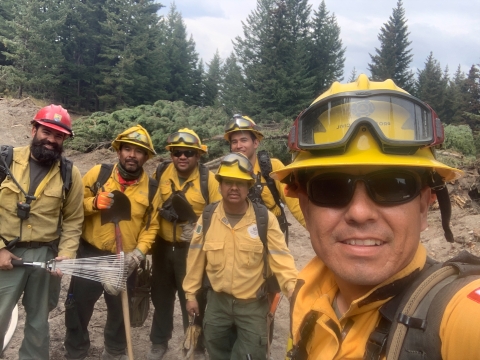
(195, 263)
(146, 238)
(280, 260)
(88, 181)
(291, 203)
(460, 326)
(213, 191)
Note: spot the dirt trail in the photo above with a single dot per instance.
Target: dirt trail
(15, 130)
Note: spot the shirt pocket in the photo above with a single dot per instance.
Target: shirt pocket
(139, 205)
(215, 254)
(250, 255)
(10, 195)
(52, 198)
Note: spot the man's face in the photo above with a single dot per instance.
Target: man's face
(47, 144)
(184, 159)
(365, 243)
(242, 142)
(234, 191)
(132, 157)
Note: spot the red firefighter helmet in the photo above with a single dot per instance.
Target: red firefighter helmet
(54, 117)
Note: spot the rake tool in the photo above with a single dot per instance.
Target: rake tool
(109, 269)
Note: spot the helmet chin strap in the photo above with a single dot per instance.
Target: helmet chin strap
(440, 189)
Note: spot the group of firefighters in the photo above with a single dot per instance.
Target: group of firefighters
(362, 177)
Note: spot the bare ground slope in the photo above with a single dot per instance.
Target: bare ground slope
(15, 130)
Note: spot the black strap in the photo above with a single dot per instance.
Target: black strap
(6, 154)
(266, 168)
(204, 173)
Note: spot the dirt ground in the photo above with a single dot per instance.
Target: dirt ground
(15, 130)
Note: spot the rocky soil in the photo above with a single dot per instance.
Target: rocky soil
(16, 130)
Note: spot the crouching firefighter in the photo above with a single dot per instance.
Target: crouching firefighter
(365, 173)
(182, 178)
(41, 215)
(134, 147)
(236, 246)
(245, 136)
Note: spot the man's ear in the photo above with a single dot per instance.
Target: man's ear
(256, 143)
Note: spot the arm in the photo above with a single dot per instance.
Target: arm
(146, 238)
(280, 260)
(196, 262)
(459, 330)
(72, 218)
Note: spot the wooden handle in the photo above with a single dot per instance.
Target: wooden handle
(126, 320)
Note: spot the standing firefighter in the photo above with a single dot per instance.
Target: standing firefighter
(365, 174)
(41, 217)
(183, 177)
(134, 147)
(236, 245)
(244, 136)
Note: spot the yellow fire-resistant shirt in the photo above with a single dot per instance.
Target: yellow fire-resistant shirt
(134, 232)
(459, 328)
(42, 225)
(233, 258)
(193, 194)
(267, 197)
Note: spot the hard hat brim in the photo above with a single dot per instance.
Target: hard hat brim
(53, 126)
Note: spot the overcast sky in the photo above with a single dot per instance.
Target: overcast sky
(448, 28)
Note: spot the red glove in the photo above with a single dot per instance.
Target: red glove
(103, 200)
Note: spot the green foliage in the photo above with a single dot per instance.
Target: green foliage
(460, 138)
(160, 119)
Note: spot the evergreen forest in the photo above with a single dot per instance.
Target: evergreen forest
(122, 62)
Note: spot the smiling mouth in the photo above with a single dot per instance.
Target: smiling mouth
(363, 242)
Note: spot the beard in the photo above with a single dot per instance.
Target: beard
(46, 157)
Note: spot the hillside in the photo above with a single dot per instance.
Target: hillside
(15, 119)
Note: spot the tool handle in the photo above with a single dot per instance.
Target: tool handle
(19, 263)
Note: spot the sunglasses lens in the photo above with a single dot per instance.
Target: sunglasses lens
(385, 187)
(330, 190)
(393, 187)
(187, 153)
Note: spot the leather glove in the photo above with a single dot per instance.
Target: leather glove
(103, 200)
(110, 289)
(133, 260)
(187, 232)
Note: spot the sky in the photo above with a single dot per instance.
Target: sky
(450, 29)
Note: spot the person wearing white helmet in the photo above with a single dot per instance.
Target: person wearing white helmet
(41, 216)
(365, 173)
(234, 253)
(186, 178)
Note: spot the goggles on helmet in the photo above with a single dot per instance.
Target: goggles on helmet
(385, 187)
(243, 163)
(238, 122)
(400, 122)
(183, 138)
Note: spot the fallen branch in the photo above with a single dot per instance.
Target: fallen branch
(21, 101)
(446, 153)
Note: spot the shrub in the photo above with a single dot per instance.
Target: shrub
(460, 138)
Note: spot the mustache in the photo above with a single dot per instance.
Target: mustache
(43, 155)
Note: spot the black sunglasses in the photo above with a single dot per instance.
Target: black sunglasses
(187, 153)
(385, 187)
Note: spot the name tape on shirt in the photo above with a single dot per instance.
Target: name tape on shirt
(475, 295)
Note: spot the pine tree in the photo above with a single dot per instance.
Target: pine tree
(232, 89)
(431, 85)
(454, 99)
(394, 57)
(327, 52)
(213, 80)
(472, 97)
(182, 60)
(273, 55)
(353, 75)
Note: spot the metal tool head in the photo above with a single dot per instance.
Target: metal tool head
(121, 209)
(183, 209)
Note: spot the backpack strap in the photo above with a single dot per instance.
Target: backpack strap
(102, 177)
(261, 215)
(161, 169)
(204, 172)
(207, 220)
(266, 168)
(6, 158)
(66, 167)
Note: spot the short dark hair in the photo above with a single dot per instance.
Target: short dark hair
(251, 133)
